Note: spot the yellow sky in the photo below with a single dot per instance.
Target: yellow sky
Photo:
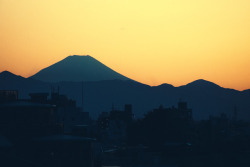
(151, 41)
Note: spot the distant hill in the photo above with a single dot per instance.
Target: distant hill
(78, 68)
(201, 83)
(10, 81)
(204, 97)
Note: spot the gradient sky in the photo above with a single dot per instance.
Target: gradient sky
(151, 41)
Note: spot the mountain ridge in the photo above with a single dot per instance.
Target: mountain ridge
(99, 95)
(198, 82)
(8, 74)
(202, 83)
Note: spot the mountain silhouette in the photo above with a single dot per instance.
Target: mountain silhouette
(201, 83)
(6, 75)
(78, 68)
(10, 81)
(103, 86)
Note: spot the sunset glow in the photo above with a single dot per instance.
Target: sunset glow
(153, 42)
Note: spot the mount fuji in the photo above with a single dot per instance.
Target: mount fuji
(77, 69)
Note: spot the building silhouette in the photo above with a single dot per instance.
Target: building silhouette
(35, 131)
(113, 125)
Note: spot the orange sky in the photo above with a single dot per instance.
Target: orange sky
(153, 42)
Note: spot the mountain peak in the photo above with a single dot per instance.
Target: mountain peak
(165, 85)
(78, 68)
(7, 74)
(76, 58)
(202, 83)
(79, 56)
